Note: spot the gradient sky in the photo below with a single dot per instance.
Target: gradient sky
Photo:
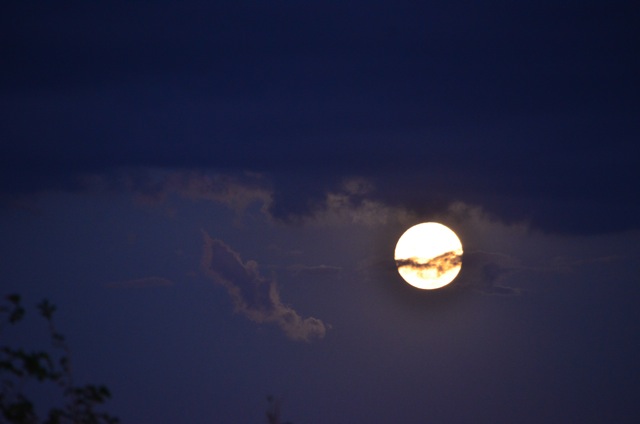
(211, 192)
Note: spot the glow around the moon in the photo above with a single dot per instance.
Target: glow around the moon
(428, 255)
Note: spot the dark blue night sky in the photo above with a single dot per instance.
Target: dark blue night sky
(211, 192)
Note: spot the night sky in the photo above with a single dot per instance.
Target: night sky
(211, 193)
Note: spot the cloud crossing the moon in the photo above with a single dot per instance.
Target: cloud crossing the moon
(442, 263)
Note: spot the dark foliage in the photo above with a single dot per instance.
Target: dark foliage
(19, 366)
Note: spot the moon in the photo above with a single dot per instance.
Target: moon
(429, 255)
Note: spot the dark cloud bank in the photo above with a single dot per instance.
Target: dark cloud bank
(530, 113)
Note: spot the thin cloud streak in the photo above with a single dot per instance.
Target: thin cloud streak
(301, 269)
(237, 192)
(141, 283)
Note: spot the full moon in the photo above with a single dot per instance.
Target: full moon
(428, 255)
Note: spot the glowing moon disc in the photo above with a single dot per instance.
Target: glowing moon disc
(429, 255)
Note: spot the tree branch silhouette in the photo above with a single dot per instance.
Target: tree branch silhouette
(19, 366)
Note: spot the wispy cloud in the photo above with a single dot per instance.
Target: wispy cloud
(280, 251)
(490, 281)
(253, 295)
(237, 191)
(351, 204)
(487, 273)
(565, 264)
